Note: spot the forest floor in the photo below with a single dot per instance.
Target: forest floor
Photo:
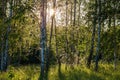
(32, 72)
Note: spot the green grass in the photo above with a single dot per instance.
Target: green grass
(32, 72)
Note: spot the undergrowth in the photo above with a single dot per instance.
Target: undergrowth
(77, 72)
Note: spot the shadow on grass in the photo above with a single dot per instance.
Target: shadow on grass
(82, 75)
(45, 76)
(77, 74)
(61, 76)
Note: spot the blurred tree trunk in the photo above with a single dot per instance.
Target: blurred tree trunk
(73, 27)
(71, 13)
(66, 37)
(79, 11)
(109, 24)
(74, 21)
(73, 35)
(114, 44)
(4, 59)
(51, 35)
(42, 37)
(93, 37)
(99, 31)
(79, 23)
(2, 51)
(56, 40)
(3, 15)
(114, 31)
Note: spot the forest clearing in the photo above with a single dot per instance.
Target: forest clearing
(59, 39)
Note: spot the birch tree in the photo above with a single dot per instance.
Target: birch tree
(4, 57)
(42, 37)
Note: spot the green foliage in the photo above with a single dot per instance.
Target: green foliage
(30, 72)
(107, 44)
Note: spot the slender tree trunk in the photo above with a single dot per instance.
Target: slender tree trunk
(73, 27)
(114, 26)
(109, 24)
(92, 45)
(42, 42)
(73, 35)
(74, 13)
(66, 37)
(4, 62)
(79, 12)
(79, 23)
(114, 45)
(51, 34)
(52, 25)
(71, 14)
(99, 31)
(2, 51)
(56, 40)
(2, 38)
(93, 38)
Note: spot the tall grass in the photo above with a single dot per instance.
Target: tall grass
(78, 72)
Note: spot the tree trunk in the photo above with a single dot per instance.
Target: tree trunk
(79, 12)
(99, 31)
(66, 37)
(43, 34)
(74, 13)
(2, 50)
(109, 24)
(71, 14)
(114, 26)
(4, 62)
(93, 38)
(51, 34)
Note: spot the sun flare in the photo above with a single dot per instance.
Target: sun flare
(51, 12)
